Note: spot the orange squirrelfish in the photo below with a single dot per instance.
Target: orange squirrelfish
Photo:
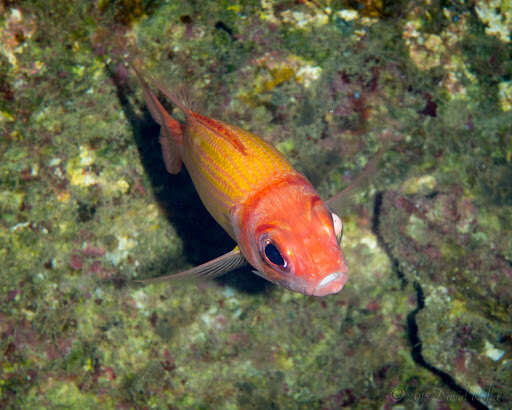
(282, 227)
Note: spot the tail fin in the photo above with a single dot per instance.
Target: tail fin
(171, 132)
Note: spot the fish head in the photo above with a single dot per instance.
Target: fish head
(290, 237)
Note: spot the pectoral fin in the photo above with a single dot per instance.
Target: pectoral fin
(342, 199)
(211, 269)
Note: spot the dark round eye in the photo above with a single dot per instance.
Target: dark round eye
(274, 256)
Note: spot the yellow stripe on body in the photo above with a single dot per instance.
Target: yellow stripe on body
(228, 164)
(215, 202)
(210, 184)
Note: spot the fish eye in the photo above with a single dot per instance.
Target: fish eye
(273, 256)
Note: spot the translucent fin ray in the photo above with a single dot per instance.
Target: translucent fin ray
(211, 269)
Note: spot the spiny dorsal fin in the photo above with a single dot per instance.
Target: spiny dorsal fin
(145, 77)
(171, 132)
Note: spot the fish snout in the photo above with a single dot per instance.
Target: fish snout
(332, 283)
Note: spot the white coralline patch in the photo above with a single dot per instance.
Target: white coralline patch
(438, 295)
(140, 298)
(122, 185)
(424, 185)
(77, 168)
(125, 245)
(304, 20)
(425, 50)
(15, 23)
(505, 95)
(228, 292)
(87, 156)
(209, 316)
(370, 241)
(54, 162)
(19, 226)
(348, 15)
(493, 14)
(80, 173)
(298, 18)
(492, 352)
(308, 74)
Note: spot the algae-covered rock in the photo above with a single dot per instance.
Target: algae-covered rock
(464, 323)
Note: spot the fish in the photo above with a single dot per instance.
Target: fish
(282, 227)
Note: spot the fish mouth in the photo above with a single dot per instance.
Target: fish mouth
(332, 283)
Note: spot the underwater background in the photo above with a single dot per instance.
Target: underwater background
(425, 319)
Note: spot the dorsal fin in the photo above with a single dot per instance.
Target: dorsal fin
(222, 130)
(171, 132)
(175, 100)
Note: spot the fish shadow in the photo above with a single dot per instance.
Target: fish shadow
(203, 238)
